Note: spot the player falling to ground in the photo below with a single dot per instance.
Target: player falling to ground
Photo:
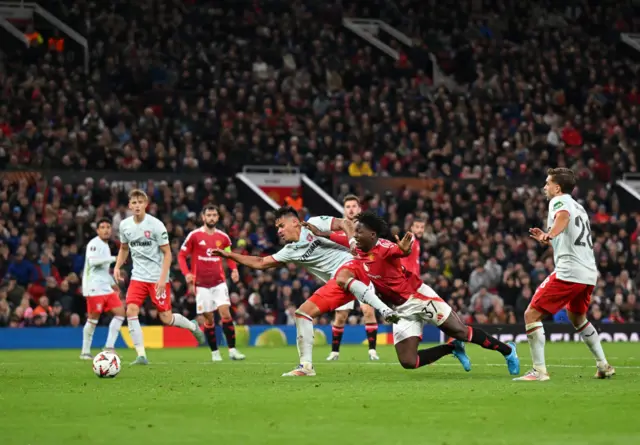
(100, 290)
(147, 239)
(573, 280)
(414, 301)
(351, 207)
(344, 278)
(208, 277)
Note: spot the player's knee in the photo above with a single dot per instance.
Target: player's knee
(408, 361)
(531, 315)
(207, 318)
(223, 311)
(341, 318)
(132, 310)
(309, 309)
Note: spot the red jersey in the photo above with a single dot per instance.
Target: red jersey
(383, 265)
(412, 261)
(206, 268)
(339, 237)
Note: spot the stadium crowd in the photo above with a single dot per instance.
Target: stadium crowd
(191, 87)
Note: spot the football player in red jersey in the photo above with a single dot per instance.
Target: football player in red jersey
(416, 302)
(412, 261)
(207, 278)
(351, 208)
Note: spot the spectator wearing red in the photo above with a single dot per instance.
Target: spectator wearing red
(571, 136)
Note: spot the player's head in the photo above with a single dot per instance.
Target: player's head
(559, 182)
(369, 227)
(103, 227)
(351, 204)
(138, 201)
(288, 224)
(417, 227)
(210, 215)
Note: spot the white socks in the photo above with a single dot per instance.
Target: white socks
(183, 322)
(304, 340)
(366, 295)
(590, 336)
(535, 333)
(114, 330)
(87, 335)
(136, 335)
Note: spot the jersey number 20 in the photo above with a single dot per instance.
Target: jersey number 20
(585, 231)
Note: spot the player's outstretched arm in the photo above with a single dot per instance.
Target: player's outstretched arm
(315, 230)
(343, 224)
(405, 244)
(254, 262)
(123, 254)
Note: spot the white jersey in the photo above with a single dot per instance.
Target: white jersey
(320, 256)
(573, 248)
(96, 279)
(144, 240)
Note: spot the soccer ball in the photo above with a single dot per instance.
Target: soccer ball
(106, 364)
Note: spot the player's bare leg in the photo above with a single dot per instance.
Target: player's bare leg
(179, 320)
(229, 332)
(87, 335)
(304, 340)
(207, 320)
(535, 335)
(411, 358)
(114, 328)
(590, 336)
(337, 329)
(135, 330)
(371, 327)
(455, 328)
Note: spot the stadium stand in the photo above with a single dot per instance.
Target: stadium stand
(187, 92)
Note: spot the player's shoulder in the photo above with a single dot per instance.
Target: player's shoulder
(562, 202)
(126, 222)
(384, 243)
(315, 220)
(222, 234)
(94, 242)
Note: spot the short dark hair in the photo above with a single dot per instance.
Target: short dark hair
(350, 197)
(103, 221)
(208, 207)
(419, 219)
(286, 211)
(372, 222)
(564, 177)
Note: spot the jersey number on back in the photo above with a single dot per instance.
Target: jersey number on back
(585, 231)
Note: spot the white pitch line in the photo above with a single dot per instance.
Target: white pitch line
(323, 364)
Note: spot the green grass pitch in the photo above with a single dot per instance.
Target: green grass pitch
(50, 397)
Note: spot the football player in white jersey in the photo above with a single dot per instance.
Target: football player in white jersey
(351, 209)
(100, 290)
(327, 261)
(573, 280)
(147, 239)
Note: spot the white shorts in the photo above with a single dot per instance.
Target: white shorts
(208, 299)
(347, 307)
(428, 308)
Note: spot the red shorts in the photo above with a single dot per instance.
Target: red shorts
(98, 304)
(331, 296)
(139, 291)
(555, 294)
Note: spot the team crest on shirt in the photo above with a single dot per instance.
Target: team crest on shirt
(147, 234)
(309, 237)
(218, 243)
(371, 257)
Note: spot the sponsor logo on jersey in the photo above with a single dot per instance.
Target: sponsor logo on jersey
(557, 205)
(312, 247)
(140, 244)
(147, 234)
(93, 248)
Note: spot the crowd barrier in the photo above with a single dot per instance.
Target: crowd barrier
(271, 336)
